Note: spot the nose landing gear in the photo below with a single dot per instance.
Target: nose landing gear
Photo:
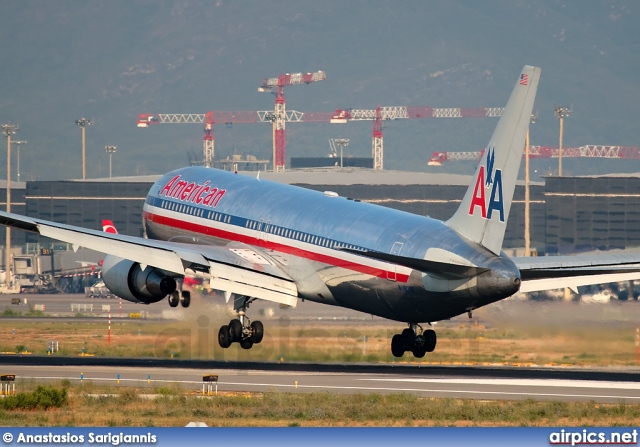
(241, 330)
(415, 340)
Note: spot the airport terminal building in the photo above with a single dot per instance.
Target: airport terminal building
(568, 214)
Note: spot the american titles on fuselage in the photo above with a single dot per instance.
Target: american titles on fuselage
(485, 181)
(185, 191)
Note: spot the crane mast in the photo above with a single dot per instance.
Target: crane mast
(280, 114)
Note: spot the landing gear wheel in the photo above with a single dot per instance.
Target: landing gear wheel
(419, 347)
(409, 339)
(398, 343)
(186, 299)
(246, 343)
(408, 334)
(174, 299)
(224, 338)
(235, 330)
(257, 332)
(419, 352)
(430, 340)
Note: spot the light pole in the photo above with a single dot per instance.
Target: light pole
(527, 197)
(83, 123)
(561, 113)
(110, 150)
(342, 142)
(19, 143)
(8, 130)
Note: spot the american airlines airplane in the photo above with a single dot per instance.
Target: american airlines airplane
(253, 239)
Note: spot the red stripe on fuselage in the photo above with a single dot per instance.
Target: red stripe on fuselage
(313, 256)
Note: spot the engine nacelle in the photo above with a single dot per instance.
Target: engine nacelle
(127, 280)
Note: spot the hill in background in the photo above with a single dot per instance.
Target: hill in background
(110, 61)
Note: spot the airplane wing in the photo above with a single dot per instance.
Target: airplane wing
(236, 269)
(556, 272)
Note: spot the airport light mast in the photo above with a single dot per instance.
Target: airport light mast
(342, 142)
(83, 123)
(19, 143)
(110, 150)
(8, 130)
(527, 195)
(561, 113)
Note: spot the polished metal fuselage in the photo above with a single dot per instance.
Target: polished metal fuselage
(305, 233)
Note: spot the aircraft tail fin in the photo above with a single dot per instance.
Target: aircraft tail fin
(482, 215)
(109, 227)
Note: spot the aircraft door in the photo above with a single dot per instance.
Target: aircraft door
(264, 230)
(395, 250)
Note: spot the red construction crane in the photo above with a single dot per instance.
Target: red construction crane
(588, 151)
(339, 116)
(279, 117)
(379, 114)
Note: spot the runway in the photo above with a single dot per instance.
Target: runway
(488, 383)
(604, 386)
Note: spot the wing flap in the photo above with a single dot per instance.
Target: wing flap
(250, 283)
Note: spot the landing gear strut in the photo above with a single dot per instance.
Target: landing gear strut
(413, 339)
(241, 330)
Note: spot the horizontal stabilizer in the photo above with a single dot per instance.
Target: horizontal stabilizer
(528, 275)
(557, 272)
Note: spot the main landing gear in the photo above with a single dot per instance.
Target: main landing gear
(183, 298)
(241, 330)
(413, 339)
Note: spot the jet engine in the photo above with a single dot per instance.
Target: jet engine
(127, 280)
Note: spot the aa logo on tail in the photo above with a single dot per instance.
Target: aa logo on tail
(488, 184)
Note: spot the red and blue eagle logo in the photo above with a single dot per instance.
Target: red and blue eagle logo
(488, 184)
